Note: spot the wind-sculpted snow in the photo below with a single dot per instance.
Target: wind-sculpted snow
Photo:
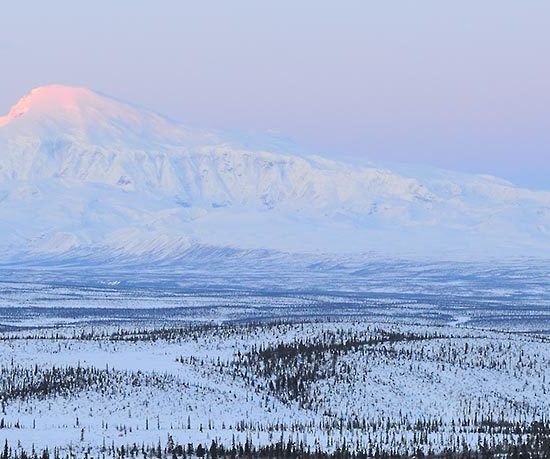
(83, 175)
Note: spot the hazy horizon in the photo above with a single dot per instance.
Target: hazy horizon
(463, 87)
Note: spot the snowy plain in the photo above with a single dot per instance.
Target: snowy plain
(183, 355)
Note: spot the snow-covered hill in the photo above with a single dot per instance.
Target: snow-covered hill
(85, 175)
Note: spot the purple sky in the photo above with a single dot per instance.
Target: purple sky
(463, 85)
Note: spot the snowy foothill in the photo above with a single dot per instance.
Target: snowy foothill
(323, 384)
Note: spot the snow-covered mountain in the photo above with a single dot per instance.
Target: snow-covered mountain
(84, 175)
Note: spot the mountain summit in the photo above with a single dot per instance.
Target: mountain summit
(53, 111)
(81, 174)
(51, 100)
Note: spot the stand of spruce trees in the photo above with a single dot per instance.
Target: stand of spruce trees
(534, 443)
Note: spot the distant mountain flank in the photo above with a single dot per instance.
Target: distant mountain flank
(82, 174)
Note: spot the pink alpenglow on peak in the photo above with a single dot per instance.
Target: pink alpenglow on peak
(48, 99)
(58, 111)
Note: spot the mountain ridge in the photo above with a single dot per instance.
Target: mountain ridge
(83, 172)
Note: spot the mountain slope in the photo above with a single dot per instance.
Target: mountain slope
(83, 174)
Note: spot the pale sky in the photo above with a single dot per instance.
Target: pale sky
(463, 85)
